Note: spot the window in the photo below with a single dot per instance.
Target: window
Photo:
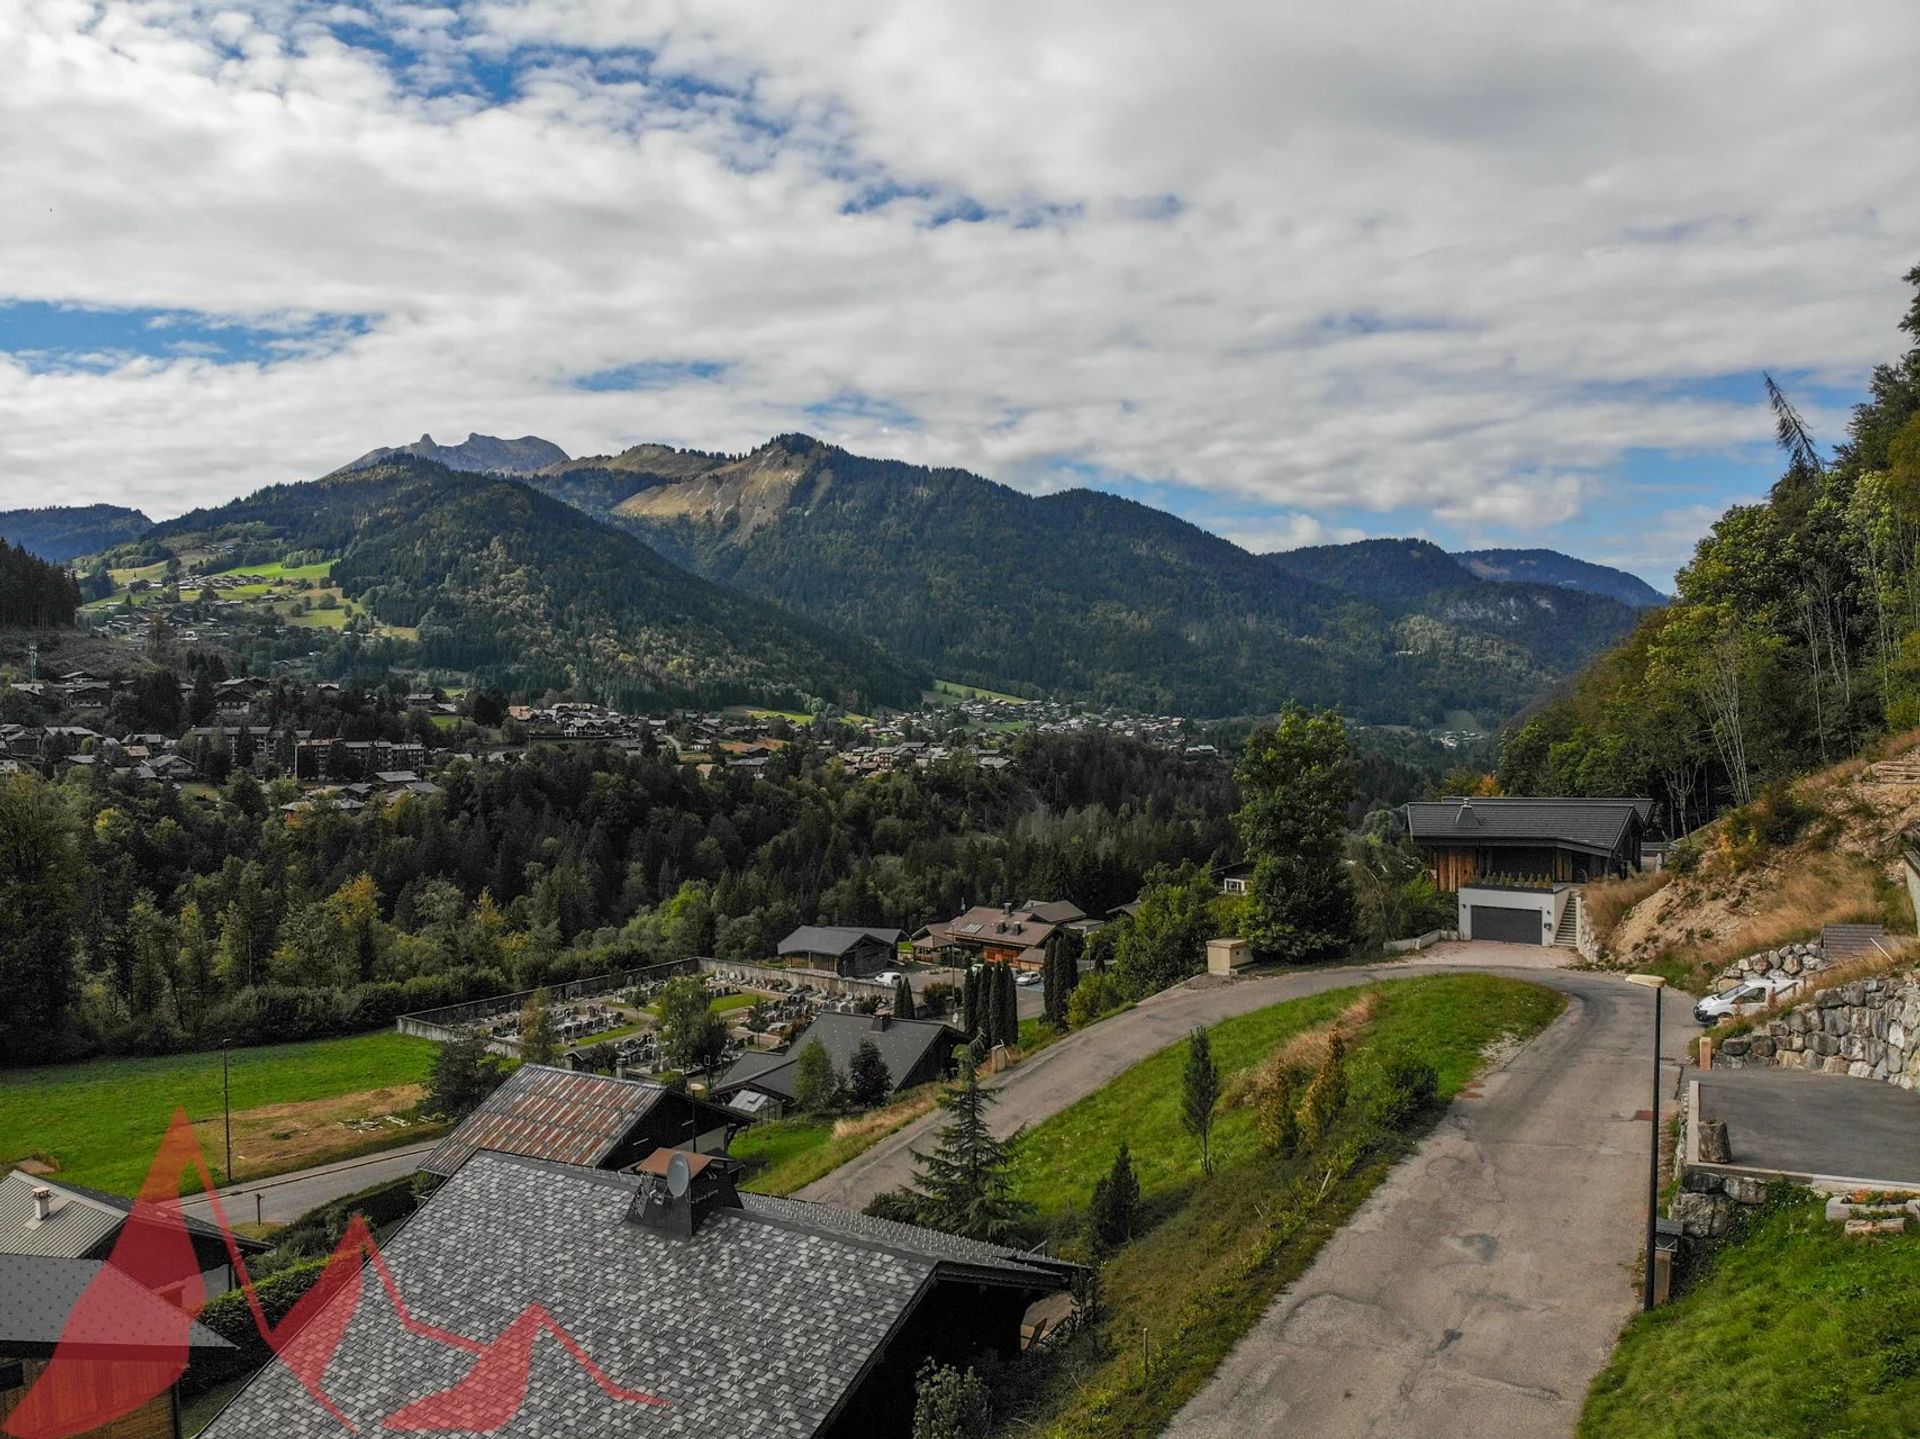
(12, 1376)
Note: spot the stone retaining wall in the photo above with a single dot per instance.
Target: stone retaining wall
(1866, 1030)
(1790, 961)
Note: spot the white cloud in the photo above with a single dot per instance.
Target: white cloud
(1415, 255)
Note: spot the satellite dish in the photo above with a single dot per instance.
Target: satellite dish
(679, 1175)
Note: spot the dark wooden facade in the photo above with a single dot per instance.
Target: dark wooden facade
(158, 1418)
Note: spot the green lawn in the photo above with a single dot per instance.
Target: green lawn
(791, 1153)
(101, 1121)
(969, 692)
(1794, 1329)
(281, 571)
(1216, 1251)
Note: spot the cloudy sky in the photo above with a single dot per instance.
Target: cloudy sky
(1494, 273)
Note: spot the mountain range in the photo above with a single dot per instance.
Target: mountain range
(664, 575)
(1088, 594)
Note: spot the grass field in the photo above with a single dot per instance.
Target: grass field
(791, 1153)
(101, 1121)
(1794, 1329)
(975, 692)
(1216, 1251)
(280, 571)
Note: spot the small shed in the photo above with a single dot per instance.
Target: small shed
(1224, 956)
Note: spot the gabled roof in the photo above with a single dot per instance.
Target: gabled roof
(79, 1222)
(833, 939)
(38, 1293)
(1590, 824)
(903, 1044)
(759, 1326)
(548, 1113)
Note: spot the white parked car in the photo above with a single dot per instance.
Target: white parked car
(1027, 977)
(888, 976)
(1747, 997)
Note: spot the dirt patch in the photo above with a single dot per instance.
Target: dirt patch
(277, 1138)
(1844, 869)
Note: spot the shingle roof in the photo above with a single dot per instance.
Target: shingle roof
(758, 1327)
(903, 1044)
(549, 1113)
(833, 939)
(38, 1292)
(1595, 824)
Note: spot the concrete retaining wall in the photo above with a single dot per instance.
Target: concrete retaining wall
(1419, 942)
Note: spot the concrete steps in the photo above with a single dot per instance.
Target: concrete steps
(1569, 931)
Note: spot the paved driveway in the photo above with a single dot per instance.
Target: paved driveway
(1482, 1287)
(1816, 1124)
(288, 1196)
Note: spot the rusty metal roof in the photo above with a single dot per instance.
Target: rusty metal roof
(547, 1113)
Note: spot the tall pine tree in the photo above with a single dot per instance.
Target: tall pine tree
(965, 1185)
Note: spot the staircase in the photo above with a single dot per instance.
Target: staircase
(1568, 934)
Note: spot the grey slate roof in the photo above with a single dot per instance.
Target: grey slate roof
(38, 1292)
(1593, 824)
(903, 1044)
(758, 1327)
(833, 939)
(80, 1222)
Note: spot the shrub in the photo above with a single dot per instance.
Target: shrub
(1327, 1095)
(1096, 996)
(1409, 1087)
(1274, 1113)
(948, 1404)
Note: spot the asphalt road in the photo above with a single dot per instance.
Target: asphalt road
(1816, 1124)
(1081, 1063)
(288, 1196)
(1482, 1287)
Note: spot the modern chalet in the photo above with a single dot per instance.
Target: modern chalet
(553, 1299)
(1517, 863)
(841, 949)
(915, 1051)
(1003, 934)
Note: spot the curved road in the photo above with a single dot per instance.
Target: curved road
(1483, 1285)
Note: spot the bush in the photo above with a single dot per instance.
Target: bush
(948, 1404)
(1408, 1090)
(1095, 996)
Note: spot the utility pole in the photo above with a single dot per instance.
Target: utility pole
(1658, 985)
(226, 1100)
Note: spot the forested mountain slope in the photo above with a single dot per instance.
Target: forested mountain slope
(1079, 593)
(1559, 627)
(65, 532)
(1550, 567)
(1793, 639)
(529, 593)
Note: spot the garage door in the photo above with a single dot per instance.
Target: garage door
(1515, 926)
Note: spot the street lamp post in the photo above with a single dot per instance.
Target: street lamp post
(226, 1100)
(1658, 985)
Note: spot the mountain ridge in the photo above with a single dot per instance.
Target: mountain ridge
(528, 592)
(62, 533)
(1078, 592)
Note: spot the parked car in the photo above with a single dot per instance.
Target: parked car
(1027, 977)
(888, 976)
(1746, 997)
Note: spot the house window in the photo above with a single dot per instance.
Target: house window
(1236, 886)
(12, 1376)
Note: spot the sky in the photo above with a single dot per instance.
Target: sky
(1490, 273)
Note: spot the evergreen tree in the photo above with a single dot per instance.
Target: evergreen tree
(903, 1006)
(869, 1081)
(1297, 779)
(539, 1036)
(464, 1074)
(1276, 1117)
(965, 1184)
(1007, 1008)
(1112, 1212)
(948, 1404)
(1200, 1095)
(970, 987)
(1327, 1094)
(43, 881)
(816, 1084)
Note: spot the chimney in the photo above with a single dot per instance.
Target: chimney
(678, 1191)
(42, 1203)
(880, 1019)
